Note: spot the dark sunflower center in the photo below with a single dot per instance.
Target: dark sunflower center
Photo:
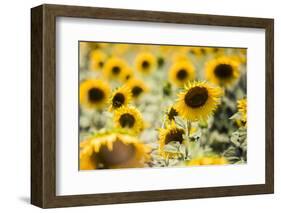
(127, 120)
(203, 51)
(145, 64)
(116, 70)
(120, 153)
(174, 135)
(136, 91)
(118, 100)
(223, 71)
(172, 114)
(182, 74)
(95, 95)
(101, 64)
(196, 97)
(128, 77)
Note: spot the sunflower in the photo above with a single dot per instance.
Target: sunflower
(198, 101)
(120, 97)
(167, 135)
(222, 71)
(137, 87)
(113, 150)
(129, 118)
(171, 113)
(145, 62)
(181, 72)
(242, 108)
(127, 74)
(211, 160)
(198, 51)
(97, 60)
(94, 93)
(114, 68)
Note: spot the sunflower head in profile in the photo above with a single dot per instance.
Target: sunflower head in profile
(207, 160)
(137, 87)
(170, 134)
(242, 109)
(145, 62)
(129, 118)
(114, 68)
(97, 60)
(171, 114)
(223, 71)
(120, 97)
(181, 72)
(198, 101)
(112, 151)
(94, 93)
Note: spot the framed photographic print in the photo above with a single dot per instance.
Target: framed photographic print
(135, 106)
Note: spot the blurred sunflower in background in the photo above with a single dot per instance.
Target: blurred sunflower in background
(145, 62)
(113, 150)
(181, 72)
(223, 71)
(115, 68)
(207, 160)
(97, 60)
(129, 118)
(137, 87)
(120, 97)
(94, 93)
(198, 101)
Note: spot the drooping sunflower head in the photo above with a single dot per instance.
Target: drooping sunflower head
(129, 118)
(120, 97)
(170, 134)
(242, 108)
(198, 101)
(171, 114)
(223, 71)
(114, 68)
(113, 150)
(137, 87)
(94, 93)
(181, 72)
(97, 60)
(145, 62)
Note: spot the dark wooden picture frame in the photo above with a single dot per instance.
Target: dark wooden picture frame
(43, 105)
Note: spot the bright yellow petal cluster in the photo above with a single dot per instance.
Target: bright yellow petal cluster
(198, 101)
(115, 68)
(145, 62)
(94, 93)
(120, 97)
(129, 118)
(206, 161)
(242, 108)
(181, 72)
(223, 71)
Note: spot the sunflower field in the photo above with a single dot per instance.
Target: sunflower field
(161, 106)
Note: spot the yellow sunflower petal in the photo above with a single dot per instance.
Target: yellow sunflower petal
(198, 101)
